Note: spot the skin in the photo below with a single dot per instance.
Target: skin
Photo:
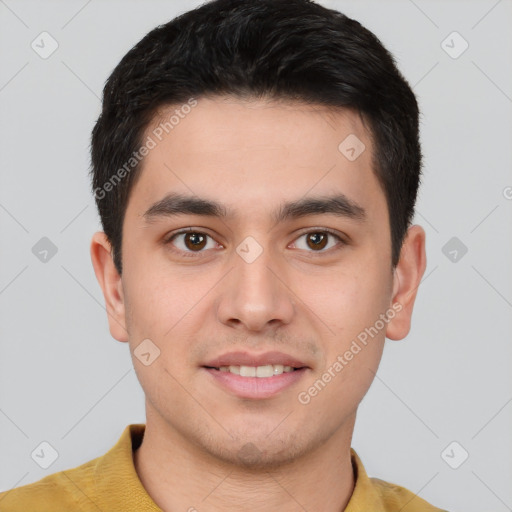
(310, 303)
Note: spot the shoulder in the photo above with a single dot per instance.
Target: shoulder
(106, 482)
(394, 496)
(64, 491)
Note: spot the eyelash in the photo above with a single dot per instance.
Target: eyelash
(195, 254)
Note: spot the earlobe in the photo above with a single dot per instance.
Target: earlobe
(406, 280)
(111, 285)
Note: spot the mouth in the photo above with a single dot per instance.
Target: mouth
(263, 371)
(255, 382)
(255, 376)
(264, 364)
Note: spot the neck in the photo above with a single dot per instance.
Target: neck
(180, 475)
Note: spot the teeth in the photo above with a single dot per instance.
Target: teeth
(257, 371)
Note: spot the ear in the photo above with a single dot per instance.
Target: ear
(111, 284)
(406, 279)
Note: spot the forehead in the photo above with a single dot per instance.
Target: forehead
(252, 155)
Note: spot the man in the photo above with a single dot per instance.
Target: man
(255, 167)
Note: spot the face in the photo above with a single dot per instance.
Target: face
(293, 257)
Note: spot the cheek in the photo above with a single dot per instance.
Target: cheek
(349, 304)
(156, 296)
(169, 308)
(346, 299)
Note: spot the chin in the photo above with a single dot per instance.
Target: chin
(258, 450)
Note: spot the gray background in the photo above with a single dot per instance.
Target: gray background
(64, 380)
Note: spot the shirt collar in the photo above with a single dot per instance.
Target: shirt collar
(116, 470)
(364, 496)
(115, 473)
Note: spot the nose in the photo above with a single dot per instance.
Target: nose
(256, 296)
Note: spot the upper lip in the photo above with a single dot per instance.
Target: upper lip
(246, 359)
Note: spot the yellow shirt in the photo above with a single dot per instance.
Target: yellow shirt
(110, 484)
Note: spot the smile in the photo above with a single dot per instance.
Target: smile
(268, 370)
(255, 382)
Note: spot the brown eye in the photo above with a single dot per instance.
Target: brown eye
(320, 241)
(317, 240)
(189, 241)
(195, 241)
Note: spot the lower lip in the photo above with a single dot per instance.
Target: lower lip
(255, 387)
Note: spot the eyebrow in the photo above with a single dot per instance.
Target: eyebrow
(175, 204)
